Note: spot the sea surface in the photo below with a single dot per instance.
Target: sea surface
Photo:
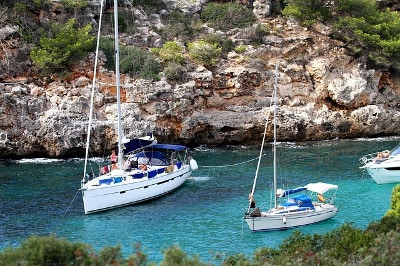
(204, 216)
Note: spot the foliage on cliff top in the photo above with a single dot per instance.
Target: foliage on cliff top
(365, 29)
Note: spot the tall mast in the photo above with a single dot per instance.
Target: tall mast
(275, 122)
(120, 150)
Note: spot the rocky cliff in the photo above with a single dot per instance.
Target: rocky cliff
(323, 94)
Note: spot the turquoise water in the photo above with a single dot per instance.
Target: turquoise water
(204, 216)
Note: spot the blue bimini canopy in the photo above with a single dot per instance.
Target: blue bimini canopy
(168, 147)
(135, 144)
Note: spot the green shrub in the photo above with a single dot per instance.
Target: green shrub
(139, 62)
(172, 52)
(385, 251)
(150, 69)
(180, 26)
(174, 71)
(384, 225)
(107, 46)
(255, 35)
(20, 9)
(308, 11)
(224, 43)
(343, 246)
(204, 53)
(237, 259)
(394, 203)
(376, 35)
(298, 242)
(47, 251)
(264, 255)
(72, 5)
(174, 256)
(66, 46)
(139, 259)
(42, 3)
(356, 8)
(126, 21)
(148, 6)
(110, 256)
(133, 60)
(345, 242)
(240, 49)
(227, 16)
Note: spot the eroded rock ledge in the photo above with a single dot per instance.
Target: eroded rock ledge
(323, 94)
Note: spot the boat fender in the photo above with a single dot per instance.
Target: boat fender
(169, 169)
(284, 219)
(193, 164)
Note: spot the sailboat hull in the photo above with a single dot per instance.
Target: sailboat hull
(273, 221)
(131, 191)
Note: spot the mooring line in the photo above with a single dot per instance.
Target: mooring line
(71, 202)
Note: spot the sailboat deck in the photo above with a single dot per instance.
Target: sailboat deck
(118, 177)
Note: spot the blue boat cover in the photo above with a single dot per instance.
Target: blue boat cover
(299, 200)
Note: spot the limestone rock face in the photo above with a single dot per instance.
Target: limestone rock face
(185, 6)
(323, 93)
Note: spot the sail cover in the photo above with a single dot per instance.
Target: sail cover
(283, 193)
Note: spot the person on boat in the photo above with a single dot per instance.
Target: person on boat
(385, 153)
(321, 198)
(252, 201)
(113, 158)
(134, 164)
(382, 155)
(143, 167)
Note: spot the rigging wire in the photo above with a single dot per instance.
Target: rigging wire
(92, 93)
(230, 165)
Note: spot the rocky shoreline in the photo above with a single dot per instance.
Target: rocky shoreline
(323, 92)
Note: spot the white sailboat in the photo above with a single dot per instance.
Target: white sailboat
(144, 168)
(293, 207)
